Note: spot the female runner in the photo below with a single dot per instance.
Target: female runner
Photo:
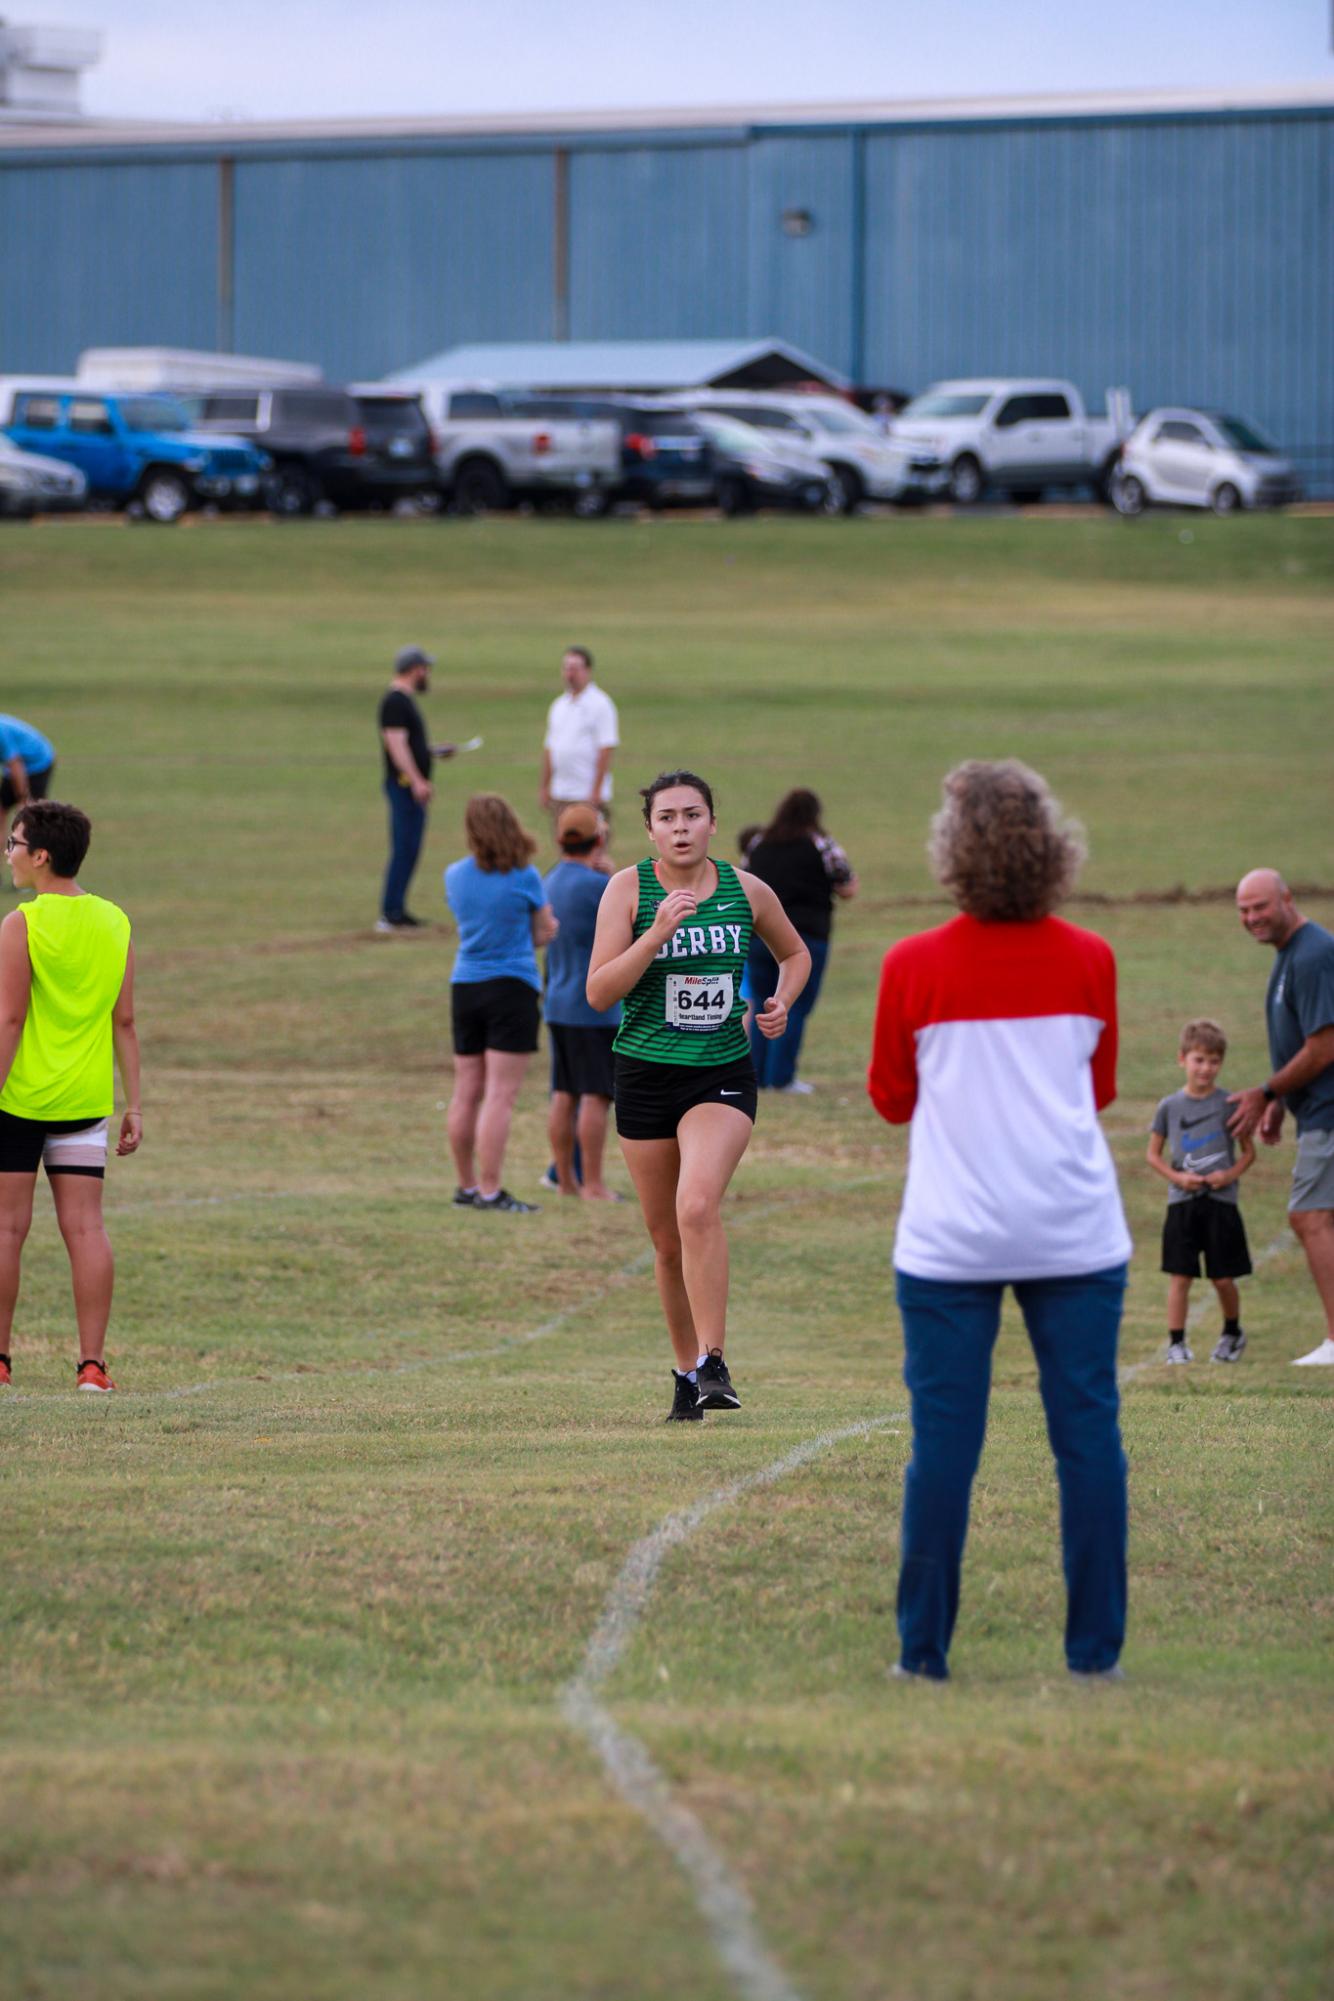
(671, 944)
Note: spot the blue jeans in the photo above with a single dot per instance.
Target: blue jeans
(776, 1062)
(407, 825)
(949, 1331)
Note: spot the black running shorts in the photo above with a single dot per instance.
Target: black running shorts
(1203, 1228)
(39, 784)
(64, 1146)
(653, 1098)
(582, 1062)
(494, 1014)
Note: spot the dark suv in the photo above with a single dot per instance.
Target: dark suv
(315, 438)
(400, 449)
(665, 457)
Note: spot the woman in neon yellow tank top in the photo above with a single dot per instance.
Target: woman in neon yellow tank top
(671, 944)
(66, 1009)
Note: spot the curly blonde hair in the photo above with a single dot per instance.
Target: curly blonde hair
(1000, 843)
(497, 839)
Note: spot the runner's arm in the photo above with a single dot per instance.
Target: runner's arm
(780, 934)
(15, 987)
(18, 772)
(126, 1039)
(619, 960)
(545, 924)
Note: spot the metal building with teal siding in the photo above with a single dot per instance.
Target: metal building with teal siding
(1178, 245)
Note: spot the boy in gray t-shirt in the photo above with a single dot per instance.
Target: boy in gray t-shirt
(1191, 1147)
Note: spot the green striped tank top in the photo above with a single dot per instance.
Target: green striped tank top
(687, 1008)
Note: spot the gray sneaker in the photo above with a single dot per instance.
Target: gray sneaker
(1229, 1346)
(1097, 1674)
(1178, 1352)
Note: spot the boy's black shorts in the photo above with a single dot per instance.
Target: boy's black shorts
(1203, 1227)
(582, 1063)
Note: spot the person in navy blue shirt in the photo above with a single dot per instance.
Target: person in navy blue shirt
(27, 762)
(499, 904)
(582, 1064)
(1299, 1012)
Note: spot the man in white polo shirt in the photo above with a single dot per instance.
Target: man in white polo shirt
(580, 742)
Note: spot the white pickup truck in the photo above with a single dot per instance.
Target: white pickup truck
(490, 458)
(1015, 436)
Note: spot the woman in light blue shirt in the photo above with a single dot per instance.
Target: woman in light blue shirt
(500, 907)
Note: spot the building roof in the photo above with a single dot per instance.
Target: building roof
(97, 134)
(643, 365)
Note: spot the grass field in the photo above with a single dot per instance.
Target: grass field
(288, 1622)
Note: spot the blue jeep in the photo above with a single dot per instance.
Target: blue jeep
(135, 451)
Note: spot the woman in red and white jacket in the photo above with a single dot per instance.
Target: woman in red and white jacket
(995, 1038)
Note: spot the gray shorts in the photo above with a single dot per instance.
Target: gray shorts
(1313, 1171)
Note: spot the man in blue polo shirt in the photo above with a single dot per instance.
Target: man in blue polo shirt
(27, 762)
(1299, 1012)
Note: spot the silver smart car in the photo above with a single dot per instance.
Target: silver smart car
(1201, 458)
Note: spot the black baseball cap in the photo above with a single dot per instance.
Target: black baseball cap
(412, 656)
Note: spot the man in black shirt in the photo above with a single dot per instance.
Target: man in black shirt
(407, 780)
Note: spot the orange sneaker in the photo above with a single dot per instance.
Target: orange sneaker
(4, 1371)
(92, 1376)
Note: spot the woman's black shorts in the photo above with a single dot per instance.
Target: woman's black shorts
(62, 1146)
(494, 1014)
(582, 1062)
(653, 1098)
(1205, 1228)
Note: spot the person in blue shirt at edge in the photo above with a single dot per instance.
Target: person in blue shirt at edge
(500, 906)
(582, 1064)
(1299, 1014)
(27, 766)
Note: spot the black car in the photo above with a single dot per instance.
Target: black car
(400, 461)
(315, 437)
(665, 457)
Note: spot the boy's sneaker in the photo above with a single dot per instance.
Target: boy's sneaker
(1177, 1351)
(1319, 1358)
(715, 1385)
(4, 1371)
(92, 1376)
(465, 1198)
(1229, 1346)
(685, 1401)
(504, 1200)
(547, 1179)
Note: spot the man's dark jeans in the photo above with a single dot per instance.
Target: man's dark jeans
(407, 826)
(949, 1330)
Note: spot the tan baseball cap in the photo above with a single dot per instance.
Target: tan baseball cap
(576, 826)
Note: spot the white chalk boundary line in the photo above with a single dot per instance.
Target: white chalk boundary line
(641, 1261)
(722, 1901)
(1275, 1248)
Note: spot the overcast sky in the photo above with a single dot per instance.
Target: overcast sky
(376, 58)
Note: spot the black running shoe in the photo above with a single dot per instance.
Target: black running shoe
(685, 1401)
(715, 1385)
(504, 1200)
(465, 1198)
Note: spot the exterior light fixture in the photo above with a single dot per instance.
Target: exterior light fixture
(797, 222)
